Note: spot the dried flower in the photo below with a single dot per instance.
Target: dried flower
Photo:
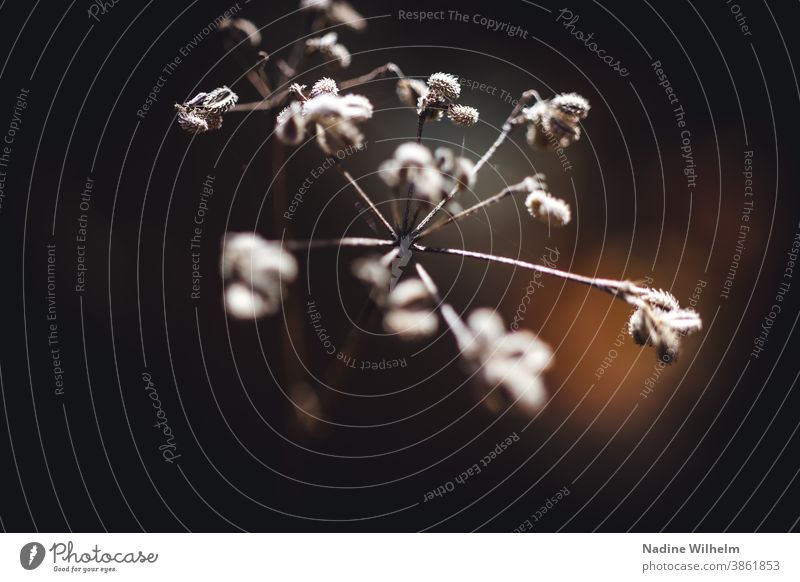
(409, 313)
(255, 272)
(204, 111)
(463, 115)
(328, 46)
(336, 12)
(333, 117)
(409, 91)
(446, 85)
(325, 86)
(659, 321)
(375, 275)
(548, 208)
(242, 30)
(291, 125)
(512, 361)
(413, 165)
(555, 123)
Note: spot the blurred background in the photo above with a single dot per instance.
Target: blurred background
(270, 432)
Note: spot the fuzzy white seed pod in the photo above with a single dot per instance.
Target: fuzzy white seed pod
(463, 115)
(446, 85)
(547, 208)
(339, 55)
(445, 160)
(256, 272)
(290, 125)
(325, 86)
(408, 311)
(571, 105)
(356, 108)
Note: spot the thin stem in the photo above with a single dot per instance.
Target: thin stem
(300, 245)
(277, 99)
(366, 199)
(410, 196)
(463, 336)
(471, 210)
(624, 289)
(372, 75)
(508, 126)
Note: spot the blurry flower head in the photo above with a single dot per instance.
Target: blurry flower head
(555, 123)
(241, 30)
(329, 47)
(413, 166)
(511, 361)
(335, 12)
(409, 91)
(409, 311)
(255, 272)
(333, 117)
(659, 321)
(547, 208)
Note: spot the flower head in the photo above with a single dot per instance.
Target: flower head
(409, 311)
(336, 12)
(255, 272)
(409, 91)
(413, 165)
(547, 208)
(511, 361)
(463, 115)
(332, 117)
(329, 47)
(242, 30)
(659, 321)
(204, 111)
(555, 123)
(445, 85)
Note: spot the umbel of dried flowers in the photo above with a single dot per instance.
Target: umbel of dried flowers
(510, 364)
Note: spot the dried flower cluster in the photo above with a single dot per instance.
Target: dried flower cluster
(555, 123)
(437, 97)
(660, 322)
(332, 117)
(204, 111)
(256, 271)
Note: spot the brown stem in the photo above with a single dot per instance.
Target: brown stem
(372, 75)
(366, 199)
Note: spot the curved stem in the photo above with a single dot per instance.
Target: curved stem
(463, 336)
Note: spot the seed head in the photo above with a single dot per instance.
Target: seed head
(291, 126)
(204, 111)
(325, 86)
(409, 313)
(413, 164)
(659, 321)
(409, 91)
(547, 208)
(445, 85)
(513, 362)
(255, 272)
(463, 115)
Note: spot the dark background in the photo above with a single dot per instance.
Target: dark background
(713, 447)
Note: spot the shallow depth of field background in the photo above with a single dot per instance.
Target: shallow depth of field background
(637, 446)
